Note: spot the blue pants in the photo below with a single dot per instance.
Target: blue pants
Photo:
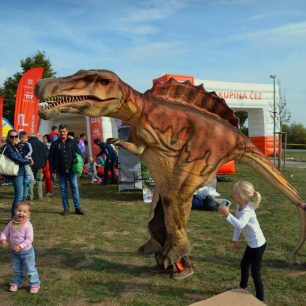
(20, 191)
(109, 166)
(24, 261)
(73, 181)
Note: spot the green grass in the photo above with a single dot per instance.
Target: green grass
(92, 259)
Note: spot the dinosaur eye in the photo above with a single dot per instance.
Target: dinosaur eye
(104, 81)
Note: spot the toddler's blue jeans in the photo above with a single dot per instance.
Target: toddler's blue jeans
(24, 261)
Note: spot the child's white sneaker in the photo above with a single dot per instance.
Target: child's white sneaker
(34, 288)
(13, 287)
(245, 290)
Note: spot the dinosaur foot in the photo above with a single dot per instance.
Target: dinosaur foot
(172, 254)
(293, 260)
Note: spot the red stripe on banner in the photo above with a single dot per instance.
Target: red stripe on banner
(96, 131)
(1, 114)
(26, 106)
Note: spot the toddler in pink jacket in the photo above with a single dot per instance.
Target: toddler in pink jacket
(20, 233)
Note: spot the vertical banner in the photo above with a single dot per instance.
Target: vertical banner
(95, 131)
(26, 105)
(1, 114)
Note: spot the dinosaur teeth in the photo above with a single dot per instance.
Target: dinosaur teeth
(50, 103)
(43, 104)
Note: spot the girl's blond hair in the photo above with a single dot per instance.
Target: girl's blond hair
(24, 203)
(246, 191)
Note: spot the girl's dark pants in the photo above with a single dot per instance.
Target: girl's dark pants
(253, 257)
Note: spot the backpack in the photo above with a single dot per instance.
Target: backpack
(77, 164)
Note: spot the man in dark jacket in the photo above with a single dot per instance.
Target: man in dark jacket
(111, 159)
(39, 156)
(61, 155)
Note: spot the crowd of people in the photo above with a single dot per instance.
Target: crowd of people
(48, 159)
(53, 156)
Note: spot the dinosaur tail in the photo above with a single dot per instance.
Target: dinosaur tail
(263, 166)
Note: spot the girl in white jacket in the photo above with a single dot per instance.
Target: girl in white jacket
(245, 222)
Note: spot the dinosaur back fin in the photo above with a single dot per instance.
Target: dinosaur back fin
(185, 92)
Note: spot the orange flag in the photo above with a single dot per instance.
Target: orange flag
(1, 114)
(26, 105)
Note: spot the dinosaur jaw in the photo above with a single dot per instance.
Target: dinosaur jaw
(85, 105)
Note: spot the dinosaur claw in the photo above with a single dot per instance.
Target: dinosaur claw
(167, 262)
(109, 140)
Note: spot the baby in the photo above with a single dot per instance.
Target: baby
(26, 149)
(20, 233)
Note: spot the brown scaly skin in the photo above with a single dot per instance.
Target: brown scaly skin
(182, 145)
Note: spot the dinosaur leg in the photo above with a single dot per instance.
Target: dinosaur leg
(158, 232)
(155, 245)
(164, 246)
(176, 210)
(302, 215)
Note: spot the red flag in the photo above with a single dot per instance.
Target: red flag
(26, 106)
(95, 131)
(1, 114)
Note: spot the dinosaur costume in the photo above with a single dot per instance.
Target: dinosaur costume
(183, 134)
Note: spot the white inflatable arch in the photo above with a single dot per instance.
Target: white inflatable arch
(256, 99)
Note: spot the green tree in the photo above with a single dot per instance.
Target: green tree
(9, 88)
(296, 133)
(283, 115)
(243, 116)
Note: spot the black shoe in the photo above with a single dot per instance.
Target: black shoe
(65, 211)
(79, 211)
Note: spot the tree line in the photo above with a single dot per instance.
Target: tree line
(296, 133)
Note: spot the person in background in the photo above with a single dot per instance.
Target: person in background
(54, 133)
(4, 181)
(26, 150)
(46, 170)
(111, 159)
(71, 135)
(205, 197)
(47, 141)
(91, 167)
(245, 222)
(2, 143)
(12, 152)
(86, 148)
(61, 155)
(39, 156)
(81, 144)
(20, 233)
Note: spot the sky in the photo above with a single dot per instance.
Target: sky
(222, 40)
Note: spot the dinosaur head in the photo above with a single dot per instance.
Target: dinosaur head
(89, 92)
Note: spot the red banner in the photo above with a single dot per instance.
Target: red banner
(26, 106)
(95, 130)
(1, 114)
